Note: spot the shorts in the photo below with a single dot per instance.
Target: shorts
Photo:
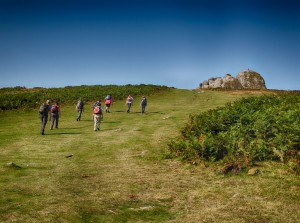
(107, 105)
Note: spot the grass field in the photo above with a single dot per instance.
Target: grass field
(123, 172)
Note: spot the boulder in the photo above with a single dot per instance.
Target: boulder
(215, 82)
(230, 82)
(250, 79)
(205, 84)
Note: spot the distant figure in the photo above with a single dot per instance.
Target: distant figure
(143, 103)
(108, 102)
(95, 105)
(129, 103)
(43, 115)
(98, 116)
(79, 109)
(55, 114)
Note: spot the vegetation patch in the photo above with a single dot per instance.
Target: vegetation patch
(21, 97)
(241, 133)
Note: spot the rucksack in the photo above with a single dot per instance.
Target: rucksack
(43, 109)
(98, 110)
(54, 109)
(144, 101)
(96, 104)
(107, 101)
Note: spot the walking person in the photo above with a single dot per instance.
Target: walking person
(43, 115)
(55, 115)
(79, 109)
(94, 106)
(108, 102)
(143, 103)
(129, 103)
(98, 116)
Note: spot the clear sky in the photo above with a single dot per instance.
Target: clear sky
(177, 43)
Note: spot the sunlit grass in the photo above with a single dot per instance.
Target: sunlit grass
(122, 172)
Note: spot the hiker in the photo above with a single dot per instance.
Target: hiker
(98, 116)
(143, 103)
(79, 108)
(43, 115)
(129, 103)
(108, 102)
(55, 114)
(95, 105)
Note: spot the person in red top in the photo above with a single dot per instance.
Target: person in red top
(55, 114)
(108, 102)
(98, 116)
(129, 103)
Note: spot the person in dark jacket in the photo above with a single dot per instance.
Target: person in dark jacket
(143, 103)
(79, 109)
(44, 110)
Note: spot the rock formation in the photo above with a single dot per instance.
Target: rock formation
(247, 79)
(230, 82)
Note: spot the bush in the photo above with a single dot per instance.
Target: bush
(20, 97)
(251, 129)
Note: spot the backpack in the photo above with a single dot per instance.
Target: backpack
(107, 101)
(43, 109)
(144, 101)
(98, 110)
(96, 104)
(54, 109)
(80, 105)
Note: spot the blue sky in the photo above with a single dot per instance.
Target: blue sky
(178, 43)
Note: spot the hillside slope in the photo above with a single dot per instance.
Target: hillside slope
(122, 174)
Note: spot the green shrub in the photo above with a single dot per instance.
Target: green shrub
(251, 129)
(20, 97)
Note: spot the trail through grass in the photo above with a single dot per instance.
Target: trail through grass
(121, 173)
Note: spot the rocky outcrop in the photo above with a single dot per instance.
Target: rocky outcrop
(230, 82)
(215, 82)
(248, 79)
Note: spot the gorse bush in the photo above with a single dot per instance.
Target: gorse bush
(251, 129)
(20, 97)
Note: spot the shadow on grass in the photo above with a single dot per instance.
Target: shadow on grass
(81, 127)
(62, 133)
(111, 129)
(85, 120)
(111, 122)
(156, 112)
(119, 111)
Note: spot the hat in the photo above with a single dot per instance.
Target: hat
(48, 101)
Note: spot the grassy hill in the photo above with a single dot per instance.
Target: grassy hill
(123, 174)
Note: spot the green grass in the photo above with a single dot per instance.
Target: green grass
(122, 173)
